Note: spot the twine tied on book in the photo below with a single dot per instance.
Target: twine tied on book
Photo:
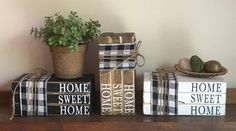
(168, 70)
(35, 74)
(135, 54)
(165, 91)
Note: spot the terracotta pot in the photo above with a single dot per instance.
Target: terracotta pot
(67, 64)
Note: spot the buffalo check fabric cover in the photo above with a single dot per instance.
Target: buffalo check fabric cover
(117, 56)
(110, 63)
(163, 94)
(33, 95)
(125, 49)
(173, 94)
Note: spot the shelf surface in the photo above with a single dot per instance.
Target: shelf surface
(137, 122)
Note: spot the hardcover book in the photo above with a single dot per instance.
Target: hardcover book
(52, 96)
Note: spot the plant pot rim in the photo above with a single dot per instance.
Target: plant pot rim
(64, 49)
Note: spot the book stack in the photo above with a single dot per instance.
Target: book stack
(49, 96)
(174, 94)
(117, 73)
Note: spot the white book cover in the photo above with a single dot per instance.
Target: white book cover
(196, 96)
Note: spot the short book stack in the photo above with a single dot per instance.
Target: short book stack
(117, 73)
(48, 96)
(175, 94)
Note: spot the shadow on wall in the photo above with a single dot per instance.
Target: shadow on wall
(92, 61)
(175, 44)
(29, 53)
(23, 55)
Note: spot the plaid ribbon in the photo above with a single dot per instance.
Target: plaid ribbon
(112, 62)
(173, 94)
(164, 94)
(33, 95)
(118, 56)
(126, 49)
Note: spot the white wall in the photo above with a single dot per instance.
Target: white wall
(169, 29)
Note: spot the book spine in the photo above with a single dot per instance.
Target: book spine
(106, 93)
(117, 93)
(202, 98)
(62, 109)
(128, 82)
(211, 87)
(147, 109)
(147, 95)
(201, 110)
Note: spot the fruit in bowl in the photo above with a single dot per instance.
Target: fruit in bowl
(196, 64)
(185, 64)
(212, 66)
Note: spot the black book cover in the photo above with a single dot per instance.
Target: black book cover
(64, 97)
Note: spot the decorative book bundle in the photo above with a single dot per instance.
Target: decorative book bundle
(168, 93)
(117, 61)
(48, 96)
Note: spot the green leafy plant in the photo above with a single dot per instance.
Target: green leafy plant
(66, 31)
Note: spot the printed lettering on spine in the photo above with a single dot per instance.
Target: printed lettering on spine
(65, 97)
(117, 92)
(186, 95)
(201, 96)
(129, 92)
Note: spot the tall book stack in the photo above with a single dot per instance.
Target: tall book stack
(175, 94)
(117, 73)
(49, 96)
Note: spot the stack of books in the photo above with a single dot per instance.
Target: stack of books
(49, 96)
(117, 73)
(176, 94)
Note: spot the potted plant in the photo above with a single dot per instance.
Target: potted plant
(67, 38)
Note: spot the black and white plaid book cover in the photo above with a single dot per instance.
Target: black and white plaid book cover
(172, 94)
(116, 49)
(164, 94)
(117, 56)
(110, 63)
(33, 95)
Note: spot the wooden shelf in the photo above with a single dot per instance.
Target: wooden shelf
(107, 123)
(137, 122)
